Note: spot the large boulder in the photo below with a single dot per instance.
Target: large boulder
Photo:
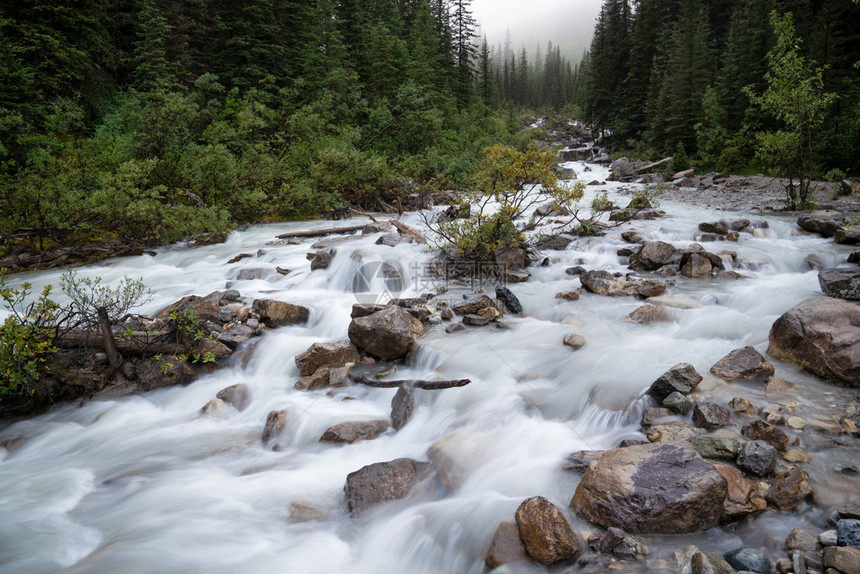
(823, 227)
(822, 335)
(207, 308)
(743, 364)
(545, 531)
(336, 354)
(849, 236)
(154, 374)
(842, 283)
(654, 255)
(383, 482)
(662, 488)
(278, 314)
(388, 334)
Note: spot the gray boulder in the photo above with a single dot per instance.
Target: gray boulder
(682, 378)
(351, 432)
(841, 282)
(742, 364)
(388, 334)
(653, 255)
(336, 354)
(757, 457)
(278, 314)
(383, 482)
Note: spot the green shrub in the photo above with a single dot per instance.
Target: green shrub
(26, 338)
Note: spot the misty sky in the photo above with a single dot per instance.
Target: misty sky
(567, 23)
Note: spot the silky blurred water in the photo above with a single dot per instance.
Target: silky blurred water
(145, 484)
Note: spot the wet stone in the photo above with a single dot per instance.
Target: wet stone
(682, 378)
(757, 457)
(678, 403)
(402, 406)
(848, 532)
(716, 447)
(506, 546)
(789, 488)
(710, 416)
(545, 531)
(761, 430)
(749, 560)
(710, 563)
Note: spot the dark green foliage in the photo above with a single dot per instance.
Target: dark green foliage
(683, 71)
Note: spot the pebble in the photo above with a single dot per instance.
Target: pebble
(828, 538)
(794, 456)
(796, 423)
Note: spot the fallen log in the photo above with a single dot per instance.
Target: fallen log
(406, 230)
(320, 232)
(426, 385)
(137, 342)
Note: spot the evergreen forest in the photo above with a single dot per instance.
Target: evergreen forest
(153, 121)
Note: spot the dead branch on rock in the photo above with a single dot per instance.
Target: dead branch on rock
(320, 232)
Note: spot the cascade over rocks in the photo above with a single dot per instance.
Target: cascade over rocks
(662, 488)
(822, 335)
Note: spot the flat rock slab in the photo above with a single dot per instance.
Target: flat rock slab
(663, 488)
(822, 335)
(743, 364)
(383, 482)
(351, 432)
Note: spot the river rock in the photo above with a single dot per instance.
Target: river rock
(648, 314)
(652, 415)
(823, 227)
(238, 395)
(849, 236)
(800, 539)
(718, 227)
(743, 364)
(743, 497)
(757, 457)
(682, 378)
(789, 488)
(749, 560)
(848, 532)
(605, 283)
(652, 488)
(850, 510)
(278, 314)
(716, 446)
(276, 423)
(402, 406)
(761, 430)
(696, 265)
(822, 335)
(673, 431)
(216, 409)
(319, 379)
(335, 354)
(545, 532)
(843, 559)
(653, 255)
(472, 304)
(207, 308)
(841, 282)
(579, 461)
(574, 341)
(552, 209)
(234, 334)
(383, 482)
(251, 274)
(710, 563)
(458, 454)
(506, 547)
(510, 300)
(678, 403)
(388, 334)
(710, 415)
(475, 320)
(321, 260)
(154, 374)
(350, 432)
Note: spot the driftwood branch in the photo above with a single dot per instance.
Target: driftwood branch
(426, 385)
(320, 232)
(406, 230)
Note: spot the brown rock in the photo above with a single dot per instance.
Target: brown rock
(845, 559)
(647, 314)
(673, 432)
(237, 395)
(456, 455)
(278, 314)
(761, 430)
(574, 341)
(313, 382)
(800, 539)
(276, 423)
(388, 334)
(742, 364)
(822, 335)
(710, 416)
(351, 432)
(153, 374)
(383, 482)
(336, 354)
(580, 460)
(710, 563)
(568, 295)
(506, 546)
(545, 531)
(777, 385)
(652, 488)
(402, 406)
(206, 308)
(696, 265)
(744, 497)
(789, 488)
(653, 255)
(682, 378)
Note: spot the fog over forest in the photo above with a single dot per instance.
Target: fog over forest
(568, 24)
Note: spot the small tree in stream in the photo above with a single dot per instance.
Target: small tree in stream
(795, 96)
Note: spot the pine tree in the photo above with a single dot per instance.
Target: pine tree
(463, 26)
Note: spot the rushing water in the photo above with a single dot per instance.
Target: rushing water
(146, 484)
